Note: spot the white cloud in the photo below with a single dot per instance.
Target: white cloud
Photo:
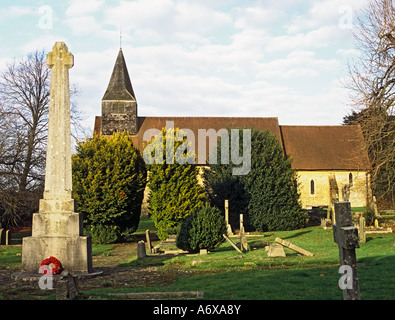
(166, 21)
(82, 8)
(256, 17)
(325, 36)
(83, 25)
(298, 64)
(326, 13)
(80, 17)
(15, 12)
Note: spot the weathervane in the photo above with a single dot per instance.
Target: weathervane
(120, 37)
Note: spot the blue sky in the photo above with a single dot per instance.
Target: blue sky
(266, 58)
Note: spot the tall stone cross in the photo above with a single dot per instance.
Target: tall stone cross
(57, 228)
(346, 237)
(58, 183)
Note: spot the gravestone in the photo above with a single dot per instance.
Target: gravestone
(243, 238)
(141, 253)
(275, 250)
(57, 229)
(5, 237)
(228, 226)
(242, 231)
(362, 229)
(346, 237)
(326, 223)
(8, 238)
(66, 287)
(231, 242)
(149, 246)
(293, 247)
(243, 243)
(227, 211)
(2, 236)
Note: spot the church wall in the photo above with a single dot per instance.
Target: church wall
(320, 196)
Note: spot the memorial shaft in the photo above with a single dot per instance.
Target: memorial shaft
(58, 175)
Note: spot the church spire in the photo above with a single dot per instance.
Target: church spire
(119, 106)
(120, 86)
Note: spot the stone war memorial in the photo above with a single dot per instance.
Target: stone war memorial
(57, 229)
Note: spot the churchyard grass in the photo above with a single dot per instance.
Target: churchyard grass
(227, 274)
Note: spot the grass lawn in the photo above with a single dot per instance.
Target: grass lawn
(227, 274)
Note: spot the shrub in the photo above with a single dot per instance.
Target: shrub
(109, 177)
(369, 216)
(268, 193)
(174, 189)
(203, 229)
(102, 233)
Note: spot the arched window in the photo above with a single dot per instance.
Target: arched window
(312, 187)
(350, 178)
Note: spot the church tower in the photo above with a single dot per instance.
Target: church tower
(119, 105)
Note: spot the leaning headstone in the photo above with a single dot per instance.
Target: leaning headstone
(141, 253)
(57, 229)
(293, 247)
(346, 237)
(362, 229)
(231, 242)
(66, 287)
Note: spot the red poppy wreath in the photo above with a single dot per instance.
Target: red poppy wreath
(55, 262)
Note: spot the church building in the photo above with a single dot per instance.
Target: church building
(331, 161)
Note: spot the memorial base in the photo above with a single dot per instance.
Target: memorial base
(74, 253)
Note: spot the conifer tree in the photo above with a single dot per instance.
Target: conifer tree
(173, 181)
(268, 193)
(109, 177)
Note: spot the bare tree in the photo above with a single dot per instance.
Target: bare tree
(372, 91)
(24, 92)
(24, 103)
